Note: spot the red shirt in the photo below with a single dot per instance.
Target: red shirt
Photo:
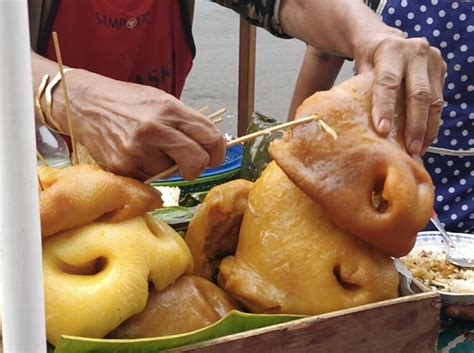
(142, 41)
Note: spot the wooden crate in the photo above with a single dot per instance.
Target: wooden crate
(407, 324)
(402, 325)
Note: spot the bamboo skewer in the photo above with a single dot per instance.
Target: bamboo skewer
(66, 97)
(217, 121)
(203, 109)
(239, 140)
(270, 130)
(217, 114)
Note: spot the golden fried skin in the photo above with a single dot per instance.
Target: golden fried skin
(367, 183)
(189, 304)
(96, 276)
(214, 230)
(292, 259)
(81, 194)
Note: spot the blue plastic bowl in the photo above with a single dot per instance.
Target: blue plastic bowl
(233, 161)
(227, 171)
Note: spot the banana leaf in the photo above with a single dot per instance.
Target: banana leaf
(194, 199)
(174, 215)
(234, 322)
(256, 155)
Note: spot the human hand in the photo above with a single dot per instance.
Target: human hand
(136, 130)
(461, 312)
(410, 65)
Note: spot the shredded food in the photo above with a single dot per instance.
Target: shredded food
(434, 270)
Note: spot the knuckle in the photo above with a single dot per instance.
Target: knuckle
(437, 105)
(144, 128)
(420, 46)
(388, 80)
(390, 42)
(421, 94)
(436, 53)
(167, 104)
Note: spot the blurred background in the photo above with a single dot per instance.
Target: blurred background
(214, 77)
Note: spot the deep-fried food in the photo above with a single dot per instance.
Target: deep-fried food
(214, 231)
(81, 194)
(96, 276)
(189, 304)
(367, 183)
(292, 259)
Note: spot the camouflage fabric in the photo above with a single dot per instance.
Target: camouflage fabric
(266, 13)
(262, 13)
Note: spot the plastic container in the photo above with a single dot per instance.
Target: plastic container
(52, 148)
(227, 171)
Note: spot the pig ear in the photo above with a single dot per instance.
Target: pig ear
(366, 181)
(214, 230)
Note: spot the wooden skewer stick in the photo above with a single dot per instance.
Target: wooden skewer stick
(217, 121)
(237, 141)
(203, 109)
(66, 96)
(217, 114)
(270, 130)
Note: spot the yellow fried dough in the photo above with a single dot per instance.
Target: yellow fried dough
(367, 183)
(81, 194)
(214, 231)
(292, 259)
(189, 304)
(96, 276)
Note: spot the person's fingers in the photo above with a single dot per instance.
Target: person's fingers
(418, 96)
(190, 156)
(461, 312)
(388, 74)
(204, 132)
(436, 71)
(152, 163)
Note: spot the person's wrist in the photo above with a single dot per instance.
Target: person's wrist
(365, 43)
(55, 105)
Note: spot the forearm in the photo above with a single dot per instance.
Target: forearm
(132, 129)
(83, 87)
(318, 73)
(337, 26)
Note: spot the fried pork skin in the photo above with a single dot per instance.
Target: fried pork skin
(214, 231)
(292, 259)
(189, 304)
(96, 276)
(81, 194)
(367, 183)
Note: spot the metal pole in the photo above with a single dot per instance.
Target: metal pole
(21, 265)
